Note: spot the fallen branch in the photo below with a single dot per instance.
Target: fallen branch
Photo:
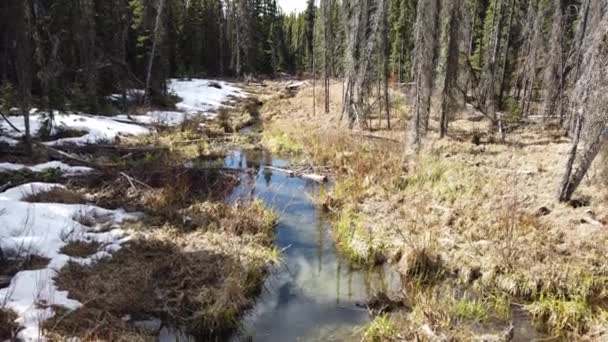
(311, 176)
(371, 136)
(61, 154)
(9, 122)
(289, 172)
(317, 178)
(131, 180)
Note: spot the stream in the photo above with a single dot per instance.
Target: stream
(314, 294)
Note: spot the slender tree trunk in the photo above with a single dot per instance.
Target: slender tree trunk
(425, 59)
(451, 73)
(24, 61)
(503, 79)
(327, 32)
(385, 62)
(157, 24)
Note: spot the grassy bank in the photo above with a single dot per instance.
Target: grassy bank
(473, 218)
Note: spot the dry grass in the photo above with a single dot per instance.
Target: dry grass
(201, 279)
(80, 249)
(13, 263)
(465, 208)
(56, 195)
(8, 327)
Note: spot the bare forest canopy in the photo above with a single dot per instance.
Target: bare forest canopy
(509, 59)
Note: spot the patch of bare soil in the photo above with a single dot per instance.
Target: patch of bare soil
(477, 211)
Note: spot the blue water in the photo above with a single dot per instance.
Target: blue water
(314, 295)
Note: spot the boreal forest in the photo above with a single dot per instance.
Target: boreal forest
(303, 170)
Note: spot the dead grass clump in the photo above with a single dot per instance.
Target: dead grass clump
(194, 281)
(241, 218)
(421, 264)
(80, 248)
(14, 262)
(8, 326)
(56, 195)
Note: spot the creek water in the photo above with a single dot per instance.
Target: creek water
(314, 294)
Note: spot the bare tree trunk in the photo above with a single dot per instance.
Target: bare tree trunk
(385, 62)
(451, 74)
(552, 79)
(159, 14)
(578, 54)
(314, 82)
(24, 61)
(362, 33)
(327, 33)
(589, 99)
(488, 87)
(503, 80)
(424, 64)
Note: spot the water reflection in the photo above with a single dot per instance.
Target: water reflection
(314, 293)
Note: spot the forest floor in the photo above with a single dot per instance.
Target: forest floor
(471, 223)
(136, 240)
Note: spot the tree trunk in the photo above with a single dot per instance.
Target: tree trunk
(159, 13)
(24, 61)
(424, 65)
(503, 80)
(451, 73)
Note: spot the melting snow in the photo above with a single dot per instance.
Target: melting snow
(199, 95)
(43, 229)
(65, 168)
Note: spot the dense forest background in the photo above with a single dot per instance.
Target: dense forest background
(509, 59)
(76, 51)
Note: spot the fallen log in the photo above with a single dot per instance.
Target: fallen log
(272, 168)
(61, 154)
(317, 178)
(312, 176)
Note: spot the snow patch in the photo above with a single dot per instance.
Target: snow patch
(97, 128)
(65, 168)
(44, 229)
(200, 95)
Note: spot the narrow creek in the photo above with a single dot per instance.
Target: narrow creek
(314, 294)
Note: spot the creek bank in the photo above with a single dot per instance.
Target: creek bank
(185, 227)
(460, 221)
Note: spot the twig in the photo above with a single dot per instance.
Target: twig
(371, 136)
(131, 180)
(9, 122)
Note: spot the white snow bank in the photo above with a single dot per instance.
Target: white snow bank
(97, 128)
(198, 95)
(43, 229)
(65, 168)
